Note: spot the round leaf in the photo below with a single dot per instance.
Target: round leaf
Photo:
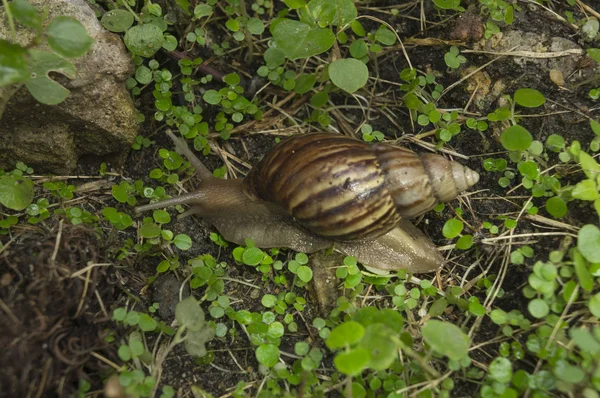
(117, 20)
(529, 97)
(183, 242)
(452, 228)
(345, 334)
(305, 273)
(447, 339)
(144, 40)
(255, 26)
(538, 308)
(16, 192)
(300, 40)
(352, 362)
(501, 370)
(348, 74)
(149, 230)
(556, 207)
(68, 37)
(267, 354)
(516, 138)
(379, 341)
(588, 243)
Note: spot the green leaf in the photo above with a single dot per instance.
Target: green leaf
(529, 98)
(203, 10)
(385, 36)
(589, 165)
(212, 97)
(144, 40)
(149, 230)
(188, 313)
(252, 256)
(348, 74)
(255, 26)
(556, 207)
(352, 362)
(16, 192)
(13, 64)
(124, 353)
(447, 339)
(585, 190)
(295, 4)
(117, 20)
(300, 40)
(594, 53)
(147, 323)
(269, 301)
(267, 354)
(143, 75)
(447, 4)
(595, 127)
(588, 243)
(359, 49)
(584, 339)
(501, 370)
(380, 341)
(452, 228)
(68, 37)
(345, 334)
(26, 13)
(564, 371)
(594, 305)
(538, 308)
(233, 25)
(304, 273)
(464, 242)
(516, 138)
(345, 10)
(182, 241)
(586, 280)
(40, 85)
(304, 83)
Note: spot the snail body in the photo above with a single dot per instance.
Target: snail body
(314, 191)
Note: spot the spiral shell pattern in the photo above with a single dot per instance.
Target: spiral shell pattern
(345, 189)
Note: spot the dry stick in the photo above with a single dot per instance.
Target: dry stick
(86, 285)
(550, 222)
(530, 54)
(588, 9)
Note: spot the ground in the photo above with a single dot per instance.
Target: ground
(60, 283)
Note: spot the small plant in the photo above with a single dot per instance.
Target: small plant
(453, 58)
(27, 64)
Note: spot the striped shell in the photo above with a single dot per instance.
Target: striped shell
(344, 189)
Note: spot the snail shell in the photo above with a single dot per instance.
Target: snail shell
(345, 189)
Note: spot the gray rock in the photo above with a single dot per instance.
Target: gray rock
(98, 117)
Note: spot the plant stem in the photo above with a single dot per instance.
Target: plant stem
(11, 21)
(247, 34)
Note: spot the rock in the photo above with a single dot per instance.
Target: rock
(98, 117)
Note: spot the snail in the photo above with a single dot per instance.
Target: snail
(320, 190)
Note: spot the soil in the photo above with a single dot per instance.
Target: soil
(54, 326)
